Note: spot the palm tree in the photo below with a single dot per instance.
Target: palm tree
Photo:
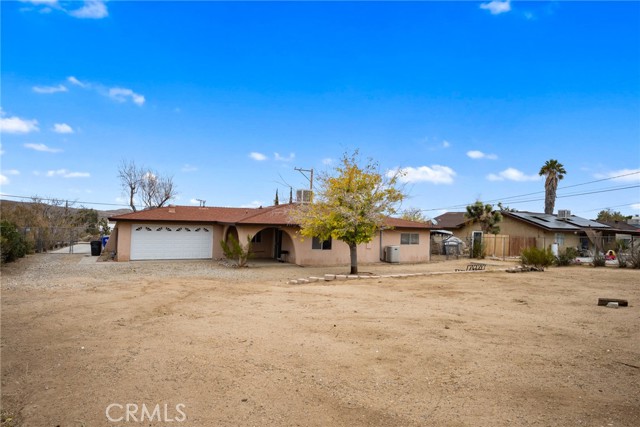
(554, 171)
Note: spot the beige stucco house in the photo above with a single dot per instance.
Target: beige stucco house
(189, 232)
(519, 230)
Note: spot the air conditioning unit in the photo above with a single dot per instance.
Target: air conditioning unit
(392, 254)
(304, 196)
(564, 214)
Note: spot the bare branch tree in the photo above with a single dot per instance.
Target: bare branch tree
(130, 179)
(149, 187)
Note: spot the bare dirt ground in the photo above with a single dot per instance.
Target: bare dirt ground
(230, 347)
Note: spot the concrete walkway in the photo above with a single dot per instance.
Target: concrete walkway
(78, 248)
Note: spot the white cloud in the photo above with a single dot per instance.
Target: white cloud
(67, 174)
(40, 2)
(446, 144)
(475, 154)
(189, 168)
(17, 125)
(622, 175)
(92, 9)
(257, 156)
(62, 128)
(512, 174)
(497, 7)
(50, 89)
(12, 172)
(121, 95)
(435, 174)
(327, 161)
(75, 81)
(280, 158)
(635, 206)
(42, 147)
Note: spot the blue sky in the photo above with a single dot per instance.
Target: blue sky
(469, 98)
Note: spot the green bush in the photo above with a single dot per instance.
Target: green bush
(566, 257)
(478, 249)
(539, 258)
(12, 244)
(234, 250)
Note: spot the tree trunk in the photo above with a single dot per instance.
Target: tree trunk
(550, 187)
(353, 251)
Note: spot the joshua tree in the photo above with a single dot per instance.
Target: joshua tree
(554, 171)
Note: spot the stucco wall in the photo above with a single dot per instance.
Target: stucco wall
(123, 252)
(367, 252)
(299, 250)
(515, 228)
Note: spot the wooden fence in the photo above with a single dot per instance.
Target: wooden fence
(502, 245)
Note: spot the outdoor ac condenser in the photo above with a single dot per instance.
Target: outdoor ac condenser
(392, 254)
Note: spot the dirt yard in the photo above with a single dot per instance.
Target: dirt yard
(126, 344)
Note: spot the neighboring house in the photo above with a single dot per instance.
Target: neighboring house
(635, 221)
(623, 231)
(519, 230)
(189, 232)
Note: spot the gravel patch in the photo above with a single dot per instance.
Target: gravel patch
(77, 270)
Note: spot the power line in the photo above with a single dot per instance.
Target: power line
(501, 199)
(50, 199)
(122, 205)
(608, 207)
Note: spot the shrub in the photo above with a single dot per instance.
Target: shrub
(598, 260)
(539, 258)
(234, 250)
(566, 257)
(478, 249)
(12, 244)
(623, 251)
(634, 257)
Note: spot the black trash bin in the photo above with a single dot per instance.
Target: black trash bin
(96, 247)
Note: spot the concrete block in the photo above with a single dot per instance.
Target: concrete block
(313, 279)
(341, 277)
(329, 277)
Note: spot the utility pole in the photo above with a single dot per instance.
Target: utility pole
(310, 178)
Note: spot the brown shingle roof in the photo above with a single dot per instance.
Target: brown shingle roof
(270, 215)
(622, 227)
(187, 214)
(450, 220)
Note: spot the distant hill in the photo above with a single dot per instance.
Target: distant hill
(10, 204)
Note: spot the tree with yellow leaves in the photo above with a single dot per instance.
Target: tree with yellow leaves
(350, 205)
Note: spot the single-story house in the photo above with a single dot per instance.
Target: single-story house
(519, 230)
(623, 231)
(190, 232)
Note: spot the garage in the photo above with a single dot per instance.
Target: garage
(159, 241)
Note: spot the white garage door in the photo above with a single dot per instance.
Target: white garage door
(157, 241)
